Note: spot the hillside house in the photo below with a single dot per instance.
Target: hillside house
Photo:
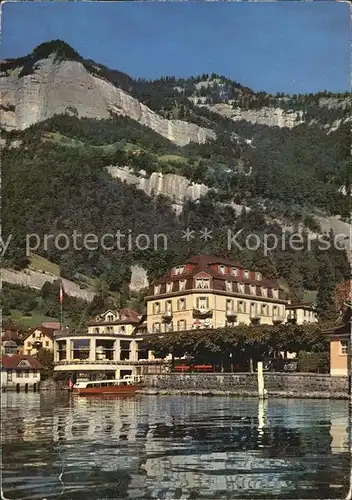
(19, 372)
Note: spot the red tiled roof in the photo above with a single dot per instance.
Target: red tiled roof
(202, 265)
(127, 316)
(53, 325)
(300, 305)
(49, 332)
(203, 261)
(11, 362)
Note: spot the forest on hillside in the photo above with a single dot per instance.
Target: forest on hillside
(51, 187)
(54, 181)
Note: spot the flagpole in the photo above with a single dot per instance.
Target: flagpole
(61, 320)
(61, 301)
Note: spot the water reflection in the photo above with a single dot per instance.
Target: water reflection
(173, 447)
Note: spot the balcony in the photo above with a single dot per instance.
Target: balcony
(167, 316)
(278, 319)
(292, 318)
(231, 315)
(66, 334)
(202, 313)
(254, 317)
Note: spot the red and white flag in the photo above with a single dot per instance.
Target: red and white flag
(61, 293)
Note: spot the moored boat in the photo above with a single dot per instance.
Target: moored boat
(124, 387)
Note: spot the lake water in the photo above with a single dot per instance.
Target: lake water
(166, 447)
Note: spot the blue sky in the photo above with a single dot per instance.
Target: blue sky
(289, 47)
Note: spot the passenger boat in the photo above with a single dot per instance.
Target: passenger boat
(124, 387)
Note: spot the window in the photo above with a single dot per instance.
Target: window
(229, 305)
(168, 287)
(264, 310)
(47, 343)
(110, 317)
(202, 283)
(241, 287)
(168, 306)
(96, 330)
(156, 289)
(156, 308)
(125, 347)
(228, 286)
(343, 347)
(179, 270)
(304, 313)
(9, 376)
(234, 271)
(258, 276)
(169, 327)
(182, 285)
(246, 275)
(253, 289)
(275, 293)
(156, 327)
(253, 309)
(181, 325)
(110, 329)
(222, 269)
(264, 291)
(202, 303)
(241, 306)
(123, 330)
(181, 304)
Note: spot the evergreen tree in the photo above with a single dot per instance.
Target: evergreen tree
(326, 287)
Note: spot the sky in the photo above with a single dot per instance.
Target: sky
(291, 47)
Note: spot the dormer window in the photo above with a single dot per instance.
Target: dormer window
(168, 287)
(253, 289)
(222, 269)
(258, 276)
(228, 286)
(110, 317)
(156, 289)
(275, 293)
(179, 270)
(182, 285)
(203, 283)
(234, 271)
(246, 275)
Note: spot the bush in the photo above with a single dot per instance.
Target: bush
(316, 362)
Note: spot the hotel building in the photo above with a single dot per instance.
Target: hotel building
(111, 345)
(213, 292)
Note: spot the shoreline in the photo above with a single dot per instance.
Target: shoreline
(245, 394)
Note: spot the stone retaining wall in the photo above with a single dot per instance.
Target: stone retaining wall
(298, 385)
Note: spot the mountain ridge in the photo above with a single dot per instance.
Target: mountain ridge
(90, 81)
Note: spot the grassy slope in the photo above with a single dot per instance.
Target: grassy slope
(18, 318)
(41, 264)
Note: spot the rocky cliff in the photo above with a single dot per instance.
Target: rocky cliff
(56, 87)
(173, 186)
(273, 117)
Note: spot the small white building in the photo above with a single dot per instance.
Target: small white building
(304, 312)
(19, 372)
